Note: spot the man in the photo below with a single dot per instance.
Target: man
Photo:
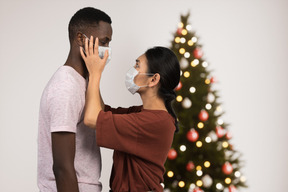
(68, 158)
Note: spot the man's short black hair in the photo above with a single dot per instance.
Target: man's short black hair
(85, 18)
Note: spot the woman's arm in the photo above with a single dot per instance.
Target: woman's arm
(95, 66)
(93, 102)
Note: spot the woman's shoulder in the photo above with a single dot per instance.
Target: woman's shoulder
(158, 115)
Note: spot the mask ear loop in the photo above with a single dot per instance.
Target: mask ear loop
(88, 40)
(148, 74)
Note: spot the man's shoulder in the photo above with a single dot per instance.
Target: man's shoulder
(66, 77)
(65, 82)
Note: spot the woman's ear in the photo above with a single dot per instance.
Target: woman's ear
(154, 80)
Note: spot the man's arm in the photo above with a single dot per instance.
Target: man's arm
(63, 150)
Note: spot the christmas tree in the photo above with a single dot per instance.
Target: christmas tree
(201, 158)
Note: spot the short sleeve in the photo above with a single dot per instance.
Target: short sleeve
(64, 107)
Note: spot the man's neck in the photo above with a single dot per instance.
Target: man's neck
(75, 61)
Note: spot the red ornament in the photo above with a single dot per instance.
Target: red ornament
(228, 135)
(179, 31)
(190, 166)
(203, 115)
(192, 135)
(198, 53)
(220, 132)
(179, 86)
(198, 190)
(212, 80)
(172, 154)
(227, 168)
(232, 188)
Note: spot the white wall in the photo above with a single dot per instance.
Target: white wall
(245, 43)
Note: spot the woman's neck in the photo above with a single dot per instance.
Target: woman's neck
(152, 101)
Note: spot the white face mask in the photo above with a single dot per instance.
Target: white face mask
(129, 80)
(101, 51)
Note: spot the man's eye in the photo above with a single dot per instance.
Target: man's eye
(102, 42)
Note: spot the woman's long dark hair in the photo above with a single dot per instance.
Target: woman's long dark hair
(163, 61)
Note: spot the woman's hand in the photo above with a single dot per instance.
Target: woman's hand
(94, 63)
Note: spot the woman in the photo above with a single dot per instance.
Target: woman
(141, 136)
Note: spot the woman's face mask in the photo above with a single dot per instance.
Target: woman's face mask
(129, 80)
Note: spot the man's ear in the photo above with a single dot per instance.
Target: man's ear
(155, 80)
(80, 39)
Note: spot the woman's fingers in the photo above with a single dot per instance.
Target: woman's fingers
(91, 45)
(82, 53)
(86, 47)
(96, 46)
(106, 55)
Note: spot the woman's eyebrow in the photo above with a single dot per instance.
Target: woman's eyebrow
(137, 61)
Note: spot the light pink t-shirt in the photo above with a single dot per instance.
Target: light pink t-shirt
(61, 109)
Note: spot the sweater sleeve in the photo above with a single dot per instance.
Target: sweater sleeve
(142, 134)
(121, 110)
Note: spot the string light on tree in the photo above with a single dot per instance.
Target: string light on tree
(182, 40)
(199, 144)
(200, 125)
(192, 89)
(182, 51)
(186, 74)
(182, 148)
(199, 173)
(181, 184)
(202, 130)
(219, 186)
(187, 55)
(208, 106)
(220, 121)
(194, 63)
(204, 64)
(194, 39)
(207, 164)
(228, 180)
(199, 183)
(170, 174)
(179, 98)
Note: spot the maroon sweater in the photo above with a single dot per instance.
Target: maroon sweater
(141, 140)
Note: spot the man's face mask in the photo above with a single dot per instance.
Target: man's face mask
(129, 80)
(101, 51)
